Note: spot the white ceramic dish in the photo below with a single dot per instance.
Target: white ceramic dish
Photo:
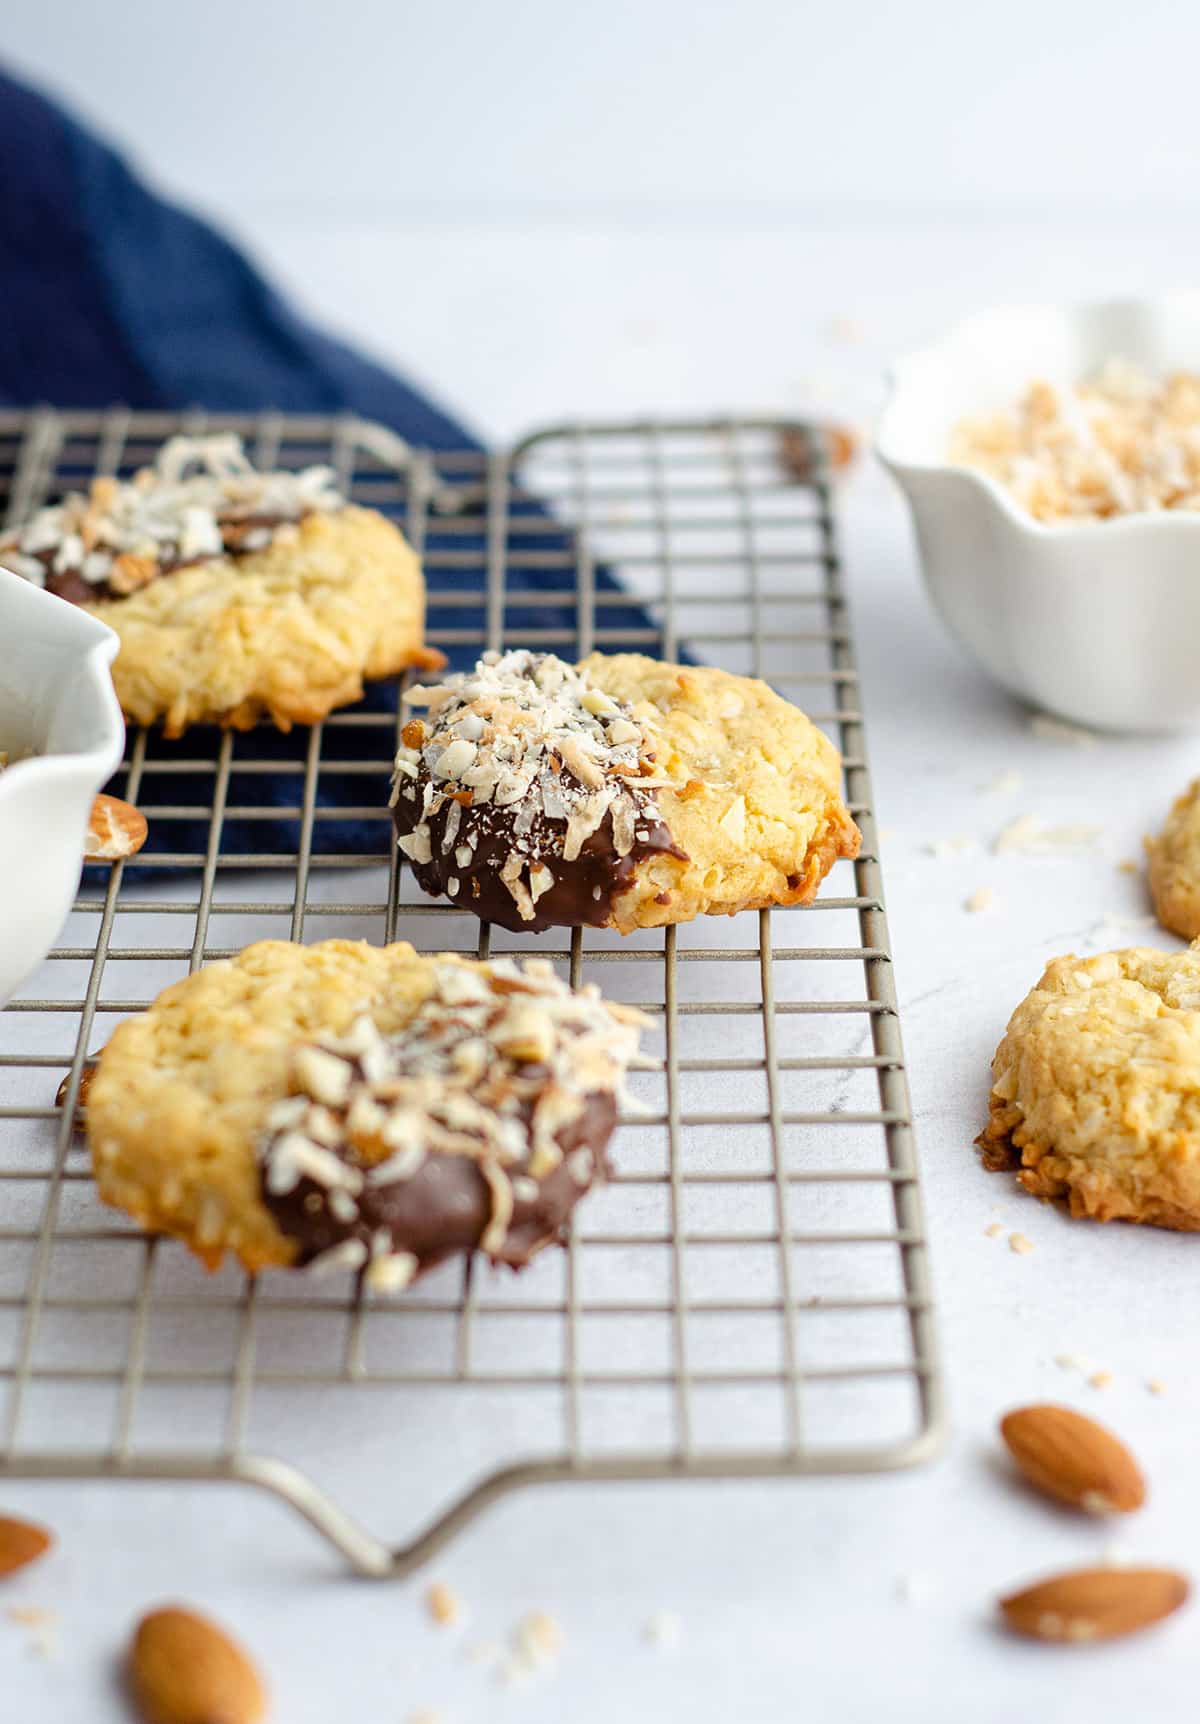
(1098, 621)
(61, 727)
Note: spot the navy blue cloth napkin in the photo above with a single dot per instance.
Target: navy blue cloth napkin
(110, 294)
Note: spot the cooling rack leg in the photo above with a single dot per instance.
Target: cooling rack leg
(371, 1558)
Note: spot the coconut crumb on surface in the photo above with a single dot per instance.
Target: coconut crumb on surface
(1004, 784)
(946, 849)
(1112, 930)
(1058, 730)
(1027, 833)
(427, 1717)
(1128, 866)
(663, 1630)
(535, 1646)
(1101, 1380)
(539, 1637)
(984, 898)
(994, 1230)
(1019, 1243)
(1156, 1386)
(443, 1604)
(1067, 1362)
(41, 1625)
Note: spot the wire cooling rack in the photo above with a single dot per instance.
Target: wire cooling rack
(748, 1297)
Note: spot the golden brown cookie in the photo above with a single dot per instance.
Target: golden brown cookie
(622, 792)
(350, 1106)
(1173, 861)
(235, 594)
(1096, 1088)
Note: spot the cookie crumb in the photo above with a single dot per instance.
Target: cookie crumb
(945, 849)
(1101, 1380)
(1058, 730)
(536, 1643)
(1067, 1362)
(42, 1625)
(663, 1630)
(982, 899)
(1127, 866)
(994, 1230)
(1019, 1243)
(1156, 1386)
(1004, 783)
(443, 1604)
(1026, 833)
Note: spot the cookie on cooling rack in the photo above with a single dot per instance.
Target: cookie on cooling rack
(235, 593)
(350, 1106)
(621, 793)
(1174, 866)
(1096, 1088)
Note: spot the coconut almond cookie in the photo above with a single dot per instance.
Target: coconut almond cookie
(1096, 1088)
(1173, 860)
(235, 593)
(621, 792)
(346, 1106)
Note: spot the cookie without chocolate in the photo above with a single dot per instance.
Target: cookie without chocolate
(1096, 1088)
(235, 593)
(350, 1106)
(1174, 866)
(621, 793)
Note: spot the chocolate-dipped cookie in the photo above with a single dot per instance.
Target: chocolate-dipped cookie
(343, 1106)
(235, 593)
(621, 792)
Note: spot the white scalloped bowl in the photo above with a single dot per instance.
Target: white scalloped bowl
(61, 727)
(1098, 621)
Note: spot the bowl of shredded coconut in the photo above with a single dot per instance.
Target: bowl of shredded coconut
(1051, 460)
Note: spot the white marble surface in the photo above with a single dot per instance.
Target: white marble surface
(827, 1599)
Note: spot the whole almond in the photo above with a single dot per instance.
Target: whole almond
(1071, 1457)
(1095, 1603)
(21, 1542)
(183, 1669)
(115, 829)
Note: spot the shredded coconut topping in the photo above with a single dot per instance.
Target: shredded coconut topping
(202, 498)
(495, 1064)
(531, 735)
(1124, 443)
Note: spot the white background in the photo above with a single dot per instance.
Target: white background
(548, 210)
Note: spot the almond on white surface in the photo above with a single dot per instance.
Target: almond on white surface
(1094, 1603)
(21, 1542)
(1073, 1459)
(184, 1669)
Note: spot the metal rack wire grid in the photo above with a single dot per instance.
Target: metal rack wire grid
(748, 1296)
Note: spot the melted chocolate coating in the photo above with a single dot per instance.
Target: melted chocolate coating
(584, 890)
(446, 1206)
(72, 586)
